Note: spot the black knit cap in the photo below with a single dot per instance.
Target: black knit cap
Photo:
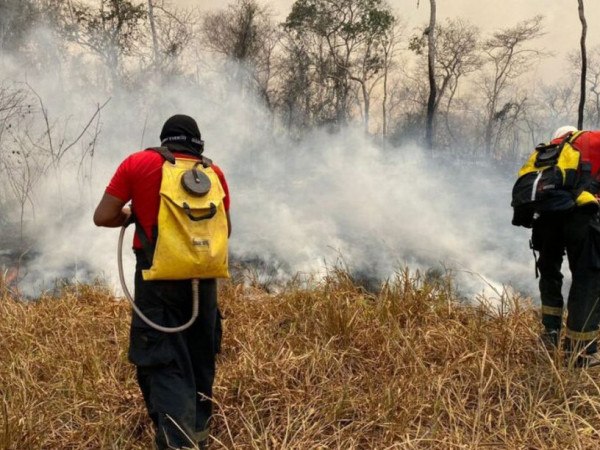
(180, 133)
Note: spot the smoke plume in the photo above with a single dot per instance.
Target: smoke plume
(298, 206)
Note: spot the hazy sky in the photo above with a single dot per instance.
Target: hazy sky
(561, 22)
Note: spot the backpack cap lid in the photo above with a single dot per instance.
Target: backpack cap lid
(196, 182)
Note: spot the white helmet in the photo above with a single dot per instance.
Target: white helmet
(561, 131)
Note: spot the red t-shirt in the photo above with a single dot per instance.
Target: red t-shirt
(588, 144)
(138, 179)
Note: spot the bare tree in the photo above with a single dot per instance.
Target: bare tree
(457, 55)
(546, 106)
(17, 18)
(299, 91)
(593, 80)
(390, 45)
(52, 151)
(111, 32)
(153, 30)
(244, 34)
(508, 57)
(373, 61)
(33, 145)
(14, 107)
(346, 45)
(431, 74)
(174, 30)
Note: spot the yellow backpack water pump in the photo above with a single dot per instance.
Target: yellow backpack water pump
(192, 241)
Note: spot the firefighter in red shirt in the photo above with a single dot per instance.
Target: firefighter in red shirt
(175, 371)
(576, 232)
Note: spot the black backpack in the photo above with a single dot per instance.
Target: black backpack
(552, 179)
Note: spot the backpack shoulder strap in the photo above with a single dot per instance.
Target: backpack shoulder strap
(542, 147)
(569, 137)
(573, 137)
(147, 245)
(206, 162)
(164, 152)
(585, 180)
(168, 156)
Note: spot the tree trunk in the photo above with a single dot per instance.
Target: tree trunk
(597, 121)
(153, 30)
(583, 66)
(384, 104)
(431, 71)
(367, 105)
(489, 130)
(387, 51)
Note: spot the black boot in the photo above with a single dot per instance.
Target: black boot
(550, 338)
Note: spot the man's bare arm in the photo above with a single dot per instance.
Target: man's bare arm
(111, 212)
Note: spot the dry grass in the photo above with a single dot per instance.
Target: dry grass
(329, 367)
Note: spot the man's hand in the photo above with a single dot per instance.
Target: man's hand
(126, 211)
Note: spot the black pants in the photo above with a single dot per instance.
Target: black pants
(577, 233)
(175, 371)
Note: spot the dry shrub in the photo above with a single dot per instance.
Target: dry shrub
(332, 366)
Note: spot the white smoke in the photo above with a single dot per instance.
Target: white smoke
(301, 205)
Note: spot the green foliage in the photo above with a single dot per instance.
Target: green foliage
(417, 43)
(344, 41)
(350, 19)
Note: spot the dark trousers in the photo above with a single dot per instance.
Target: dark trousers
(577, 233)
(175, 371)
